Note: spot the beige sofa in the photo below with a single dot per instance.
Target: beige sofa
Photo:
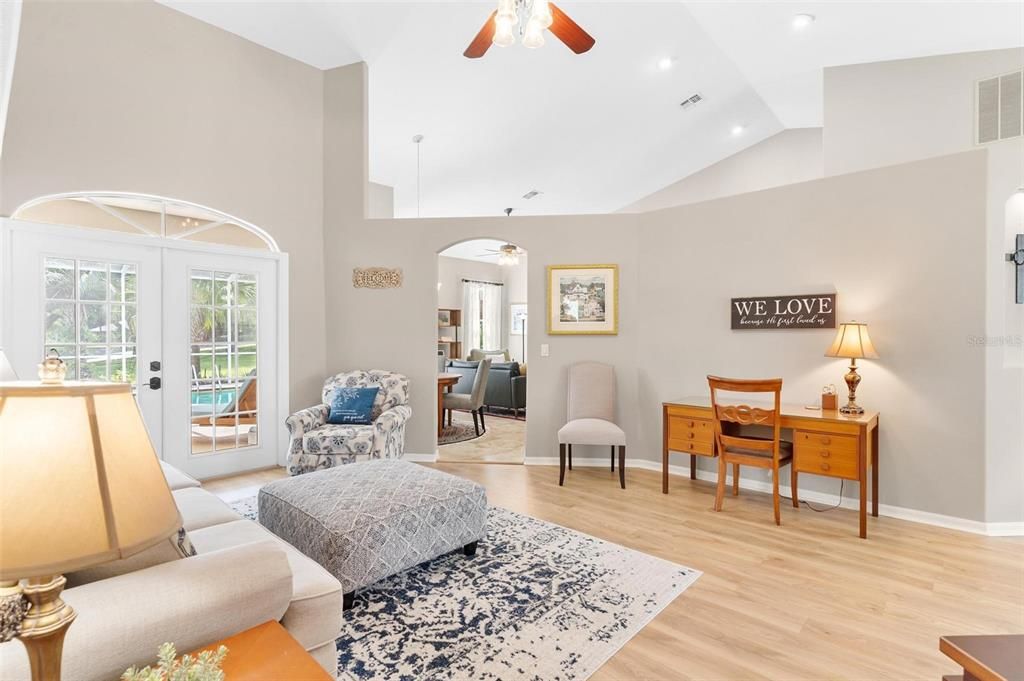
(241, 576)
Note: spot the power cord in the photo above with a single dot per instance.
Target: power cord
(842, 483)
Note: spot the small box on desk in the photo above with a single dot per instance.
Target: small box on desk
(829, 401)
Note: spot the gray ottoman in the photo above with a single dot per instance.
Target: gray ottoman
(366, 521)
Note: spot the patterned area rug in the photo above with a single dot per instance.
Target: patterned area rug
(539, 602)
(457, 432)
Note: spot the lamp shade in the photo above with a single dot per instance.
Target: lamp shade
(852, 341)
(80, 483)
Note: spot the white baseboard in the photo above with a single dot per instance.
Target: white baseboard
(420, 458)
(1010, 529)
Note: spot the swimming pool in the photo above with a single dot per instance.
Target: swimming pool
(224, 397)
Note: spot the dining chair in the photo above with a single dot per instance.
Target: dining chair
(749, 450)
(591, 416)
(472, 401)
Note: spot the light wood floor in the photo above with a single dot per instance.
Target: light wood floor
(504, 442)
(808, 600)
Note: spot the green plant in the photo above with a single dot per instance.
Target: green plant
(203, 667)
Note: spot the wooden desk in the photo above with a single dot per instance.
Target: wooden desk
(267, 652)
(985, 658)
(825, 442)
(444, 381)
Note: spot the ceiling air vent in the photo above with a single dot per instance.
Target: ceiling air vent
(999, 104)
(530, 194)
(692, 100)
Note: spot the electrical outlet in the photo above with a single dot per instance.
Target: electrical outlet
(545, 350)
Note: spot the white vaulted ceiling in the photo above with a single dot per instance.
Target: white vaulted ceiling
(597, 131)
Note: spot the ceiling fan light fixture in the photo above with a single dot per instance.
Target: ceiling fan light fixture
(503, 33)
(508, 255)
(541, 12)
(534, 35)
(508, 11)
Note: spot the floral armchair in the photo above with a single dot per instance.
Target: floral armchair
(316, 444)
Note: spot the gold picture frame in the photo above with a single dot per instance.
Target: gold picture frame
(579, 303)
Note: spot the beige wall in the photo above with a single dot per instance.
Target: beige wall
(133, 96)
(381, 201)
(784, 158)
(928, 110)
(861, 235)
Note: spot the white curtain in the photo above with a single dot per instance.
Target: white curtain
(492, 318)
(481, 315)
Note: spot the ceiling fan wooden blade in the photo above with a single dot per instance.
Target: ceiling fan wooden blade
(482, 41)
(568, 31)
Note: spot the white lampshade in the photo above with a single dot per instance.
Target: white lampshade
(80, 483)
(853, 342)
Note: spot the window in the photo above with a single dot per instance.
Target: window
(90, 318)
(223, 320)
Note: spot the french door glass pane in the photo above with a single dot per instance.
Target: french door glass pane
(91, 318)
(223, 361)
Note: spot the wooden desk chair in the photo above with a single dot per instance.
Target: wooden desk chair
(748, 450)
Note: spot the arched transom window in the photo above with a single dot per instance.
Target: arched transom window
(146, 215)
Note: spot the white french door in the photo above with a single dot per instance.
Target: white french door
(194, 331)
(220, 345)
(97, 303)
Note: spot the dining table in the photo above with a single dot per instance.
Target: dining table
(445, 382)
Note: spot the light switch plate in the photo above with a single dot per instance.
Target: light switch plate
(545, 350)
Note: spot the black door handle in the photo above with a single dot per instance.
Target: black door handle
(154, 383)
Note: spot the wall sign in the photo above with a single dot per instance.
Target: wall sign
(376, 277)
(814, 311)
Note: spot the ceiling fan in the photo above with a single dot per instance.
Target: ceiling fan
(508, 254)
(533, 18)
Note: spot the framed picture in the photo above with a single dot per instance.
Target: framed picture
(444, 317)
(583, 299)
(517, 319)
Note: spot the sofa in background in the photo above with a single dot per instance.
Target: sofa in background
(316, 444)
(241, 576)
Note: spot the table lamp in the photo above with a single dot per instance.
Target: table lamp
(852, 342)
(80, 484)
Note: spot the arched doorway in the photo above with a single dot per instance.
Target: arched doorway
(178, 300)
(482, 314)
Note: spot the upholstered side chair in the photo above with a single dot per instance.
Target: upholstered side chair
(591, 416)
(316, 444)
(473, 401)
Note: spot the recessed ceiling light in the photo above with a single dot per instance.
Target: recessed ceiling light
(737, 130)
(665, 63)
(802, 21)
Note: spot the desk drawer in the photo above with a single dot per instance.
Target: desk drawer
(839, 443)
(687, 428)
(691, 447)
(825, 454)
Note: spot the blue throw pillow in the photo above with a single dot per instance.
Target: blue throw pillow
(352, 406)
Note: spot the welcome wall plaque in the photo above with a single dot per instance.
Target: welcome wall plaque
(376, 277)
(815, 311)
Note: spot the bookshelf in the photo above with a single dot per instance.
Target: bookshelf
(449, 324)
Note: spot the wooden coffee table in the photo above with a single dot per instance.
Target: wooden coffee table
(985, 658)
(267, 652)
